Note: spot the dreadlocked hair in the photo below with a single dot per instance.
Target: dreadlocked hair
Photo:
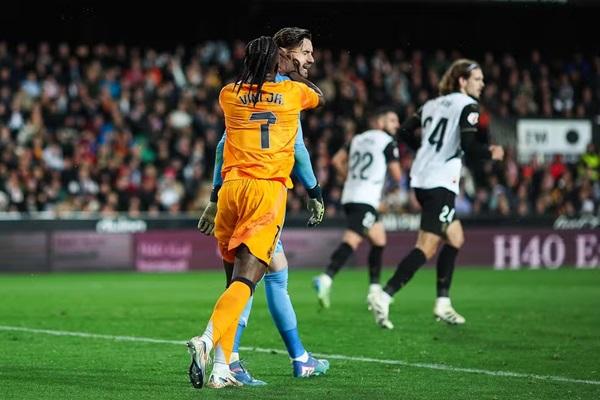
(260, 59)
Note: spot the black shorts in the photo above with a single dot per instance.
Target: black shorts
(360, 217)
(437, 209)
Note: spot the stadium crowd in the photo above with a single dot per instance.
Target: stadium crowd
(102, 129)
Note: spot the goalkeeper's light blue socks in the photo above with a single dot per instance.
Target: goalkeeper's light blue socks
(242, 323)
(282, 312)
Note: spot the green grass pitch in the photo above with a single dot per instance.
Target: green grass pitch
(529, 335)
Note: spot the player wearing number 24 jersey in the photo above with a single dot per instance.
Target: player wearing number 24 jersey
(448, 126)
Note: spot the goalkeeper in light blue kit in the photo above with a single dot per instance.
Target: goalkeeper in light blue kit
(295, 43)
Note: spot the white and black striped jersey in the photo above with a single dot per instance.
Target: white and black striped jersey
(438, 161)
(368, 156)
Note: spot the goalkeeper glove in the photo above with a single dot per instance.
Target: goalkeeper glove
(315, 206)
(206, 224)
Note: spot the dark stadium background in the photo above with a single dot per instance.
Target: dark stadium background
(561, 26)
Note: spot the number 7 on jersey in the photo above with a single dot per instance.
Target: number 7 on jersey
(264, 128)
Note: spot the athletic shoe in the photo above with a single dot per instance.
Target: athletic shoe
(443, 311)
(312, 367)
(200, 361)
(241, 374)
(379, 303)
(373, 288)
(322, 285)
(223, 377)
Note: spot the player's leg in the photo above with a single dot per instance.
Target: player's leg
(236, 365)
(425, 248)
(242, 324)
(220, 375)
(430, 235)
(350, 241)
(243, 321)
(200, 346)
(360, 218)
(222, 325)
(378, 240)
(249, 269)
(322, 283)
(284, 317)
(256, 209)
(443, 309)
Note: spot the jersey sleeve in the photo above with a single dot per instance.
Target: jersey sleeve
(217, 178)
(391, 152)
(469, 118)
(302, 166)
(406, 133)
(308, 97)
(221, 97)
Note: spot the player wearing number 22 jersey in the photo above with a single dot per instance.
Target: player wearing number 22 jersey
(259, 150)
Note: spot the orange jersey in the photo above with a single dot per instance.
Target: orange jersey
(260, 139)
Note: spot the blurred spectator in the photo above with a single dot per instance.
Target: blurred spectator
(107, 129)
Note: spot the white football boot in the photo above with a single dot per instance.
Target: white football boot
(322, 285)
(379, 303)
(199, 352)
(222, 377)
(373, 288)
(443, 311)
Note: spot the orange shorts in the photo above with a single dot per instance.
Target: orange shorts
(252, 212)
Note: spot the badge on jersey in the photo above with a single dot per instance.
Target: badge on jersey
(473, 118)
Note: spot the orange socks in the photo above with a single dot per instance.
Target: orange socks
(226, 313)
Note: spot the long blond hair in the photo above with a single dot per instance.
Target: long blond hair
(459, 68)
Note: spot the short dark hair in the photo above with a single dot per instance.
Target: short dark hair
(291, 37)
(380, 111)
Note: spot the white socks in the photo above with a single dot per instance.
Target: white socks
(326, 279)
(385, 297)
(443, 302)
(375, 288)
(220, 369)
(303, 358)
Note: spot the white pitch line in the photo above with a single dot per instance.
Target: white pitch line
(439, 367)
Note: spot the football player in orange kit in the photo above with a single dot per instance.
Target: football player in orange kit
(261, 120)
